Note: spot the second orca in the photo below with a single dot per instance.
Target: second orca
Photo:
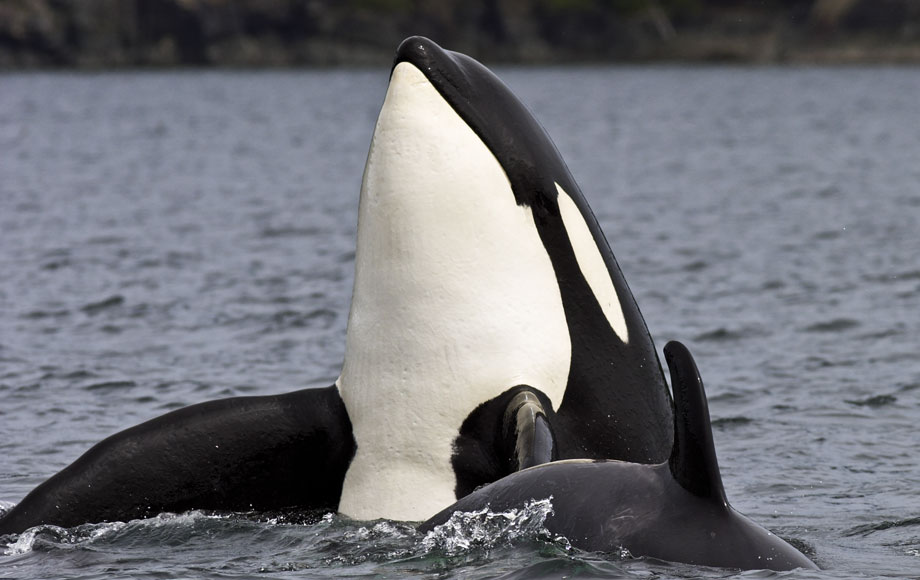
(675, 511)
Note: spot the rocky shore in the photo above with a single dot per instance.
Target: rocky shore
(257, 33)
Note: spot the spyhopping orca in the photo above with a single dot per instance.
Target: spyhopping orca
(490, 330)
(490, 326)
(675, 510)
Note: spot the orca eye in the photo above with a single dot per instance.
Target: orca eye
(592, 264)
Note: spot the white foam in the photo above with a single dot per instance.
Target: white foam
(485, 529)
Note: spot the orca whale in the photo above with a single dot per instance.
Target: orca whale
(482, 281)
(490, 330)
(675, 511)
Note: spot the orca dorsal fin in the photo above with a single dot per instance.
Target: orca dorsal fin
(693, 460)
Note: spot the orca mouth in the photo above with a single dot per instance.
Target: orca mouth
(442, 68)
(470, 88)
(419, 51)
(508, 129)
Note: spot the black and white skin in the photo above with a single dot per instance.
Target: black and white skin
(490, 331)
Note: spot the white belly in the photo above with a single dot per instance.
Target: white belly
(455, 301)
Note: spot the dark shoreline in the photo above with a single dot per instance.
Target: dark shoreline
(103, 34)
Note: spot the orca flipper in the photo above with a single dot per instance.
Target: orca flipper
(506, 434)
(237, 454)
(525, 424)
(693, 460)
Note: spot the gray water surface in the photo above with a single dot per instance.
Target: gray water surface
(171, 238)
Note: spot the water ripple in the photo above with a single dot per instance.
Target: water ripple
(866, 529)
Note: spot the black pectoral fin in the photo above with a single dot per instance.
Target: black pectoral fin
(693, 457)
(527, 431)
(238, 454)
(505, 434)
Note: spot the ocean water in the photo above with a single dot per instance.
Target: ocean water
(176, 237)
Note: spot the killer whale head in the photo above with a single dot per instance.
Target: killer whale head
(480, 270)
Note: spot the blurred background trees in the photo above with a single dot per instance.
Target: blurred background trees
(118, 33)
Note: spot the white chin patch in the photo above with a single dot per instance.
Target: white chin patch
(455, 301)
(592, 264)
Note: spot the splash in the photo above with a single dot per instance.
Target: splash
(22, 544)
(382, 541)
(45, 536)
(484, 529)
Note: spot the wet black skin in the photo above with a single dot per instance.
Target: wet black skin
(675, 510)
(238, 454)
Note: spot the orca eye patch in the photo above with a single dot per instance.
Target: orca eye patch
(592, 264)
